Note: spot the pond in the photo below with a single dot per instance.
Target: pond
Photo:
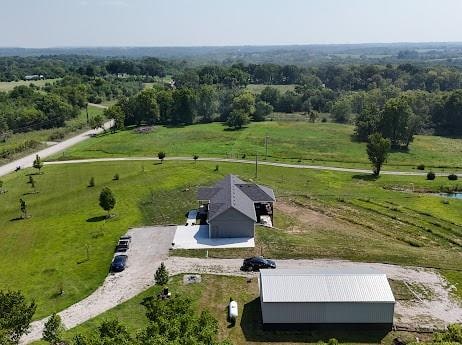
(451, 195)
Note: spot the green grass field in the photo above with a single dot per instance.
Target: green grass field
(10, 85)
(213, 294)
(289, 141)
(48, 251)
(72, 127)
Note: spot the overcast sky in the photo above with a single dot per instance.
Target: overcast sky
(52, 23)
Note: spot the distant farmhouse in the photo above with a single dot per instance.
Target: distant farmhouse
(232, 207)
(34, 77)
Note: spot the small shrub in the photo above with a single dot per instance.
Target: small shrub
(195, 157)
(161, 155)
(243, 156)
(445, 201)
(324, 119)
(452, 177)
(217, 167)
(91, 183)
(421, 167)
(116, 177)
(56, 136)
(431, 176)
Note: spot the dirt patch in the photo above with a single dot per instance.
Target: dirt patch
(309, 219)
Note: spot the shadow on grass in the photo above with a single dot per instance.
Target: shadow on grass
(16, 219)
(366, 177)
(232, 129)
(252, 327)
(96, 219)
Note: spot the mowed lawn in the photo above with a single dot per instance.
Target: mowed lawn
(213, 294)
(48, 252)
(289, 141)
(10, 85)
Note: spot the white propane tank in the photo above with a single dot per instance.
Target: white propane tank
(233, 310)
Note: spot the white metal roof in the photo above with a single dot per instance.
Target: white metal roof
(281, 285)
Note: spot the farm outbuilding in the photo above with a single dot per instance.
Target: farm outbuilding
(291, 297)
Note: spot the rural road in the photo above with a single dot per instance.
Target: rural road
(27, 161)
(242, 161)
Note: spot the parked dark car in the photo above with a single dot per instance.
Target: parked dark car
(119, 263)
(125, 238)
(256, 263)
(122, 246)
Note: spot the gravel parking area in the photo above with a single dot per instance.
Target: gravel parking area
(149, 246)
(433, 306)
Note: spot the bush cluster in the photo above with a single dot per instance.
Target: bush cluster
(431, 176)
(452, 177)
(28, 144)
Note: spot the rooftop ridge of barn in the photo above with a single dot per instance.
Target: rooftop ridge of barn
(325, 285)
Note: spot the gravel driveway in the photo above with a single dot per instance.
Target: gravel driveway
(150, 246)
(433, 309)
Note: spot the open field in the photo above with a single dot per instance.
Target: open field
(40, 137)
(302, 142)
(213, 294)
(48, 250)
(10, 85)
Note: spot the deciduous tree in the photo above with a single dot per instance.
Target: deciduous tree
(107, 200)
(377, 151)
(15, 315)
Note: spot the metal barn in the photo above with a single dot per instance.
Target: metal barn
(325, 297)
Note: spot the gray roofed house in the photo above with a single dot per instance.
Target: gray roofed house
(322, 296)
(233, 206)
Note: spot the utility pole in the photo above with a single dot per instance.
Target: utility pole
(256, 165)
(86, 108)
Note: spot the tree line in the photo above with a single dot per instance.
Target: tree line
(186, 105)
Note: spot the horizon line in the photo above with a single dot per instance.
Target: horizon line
(233, 45)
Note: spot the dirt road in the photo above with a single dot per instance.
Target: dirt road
(27, 161)
(242, 161)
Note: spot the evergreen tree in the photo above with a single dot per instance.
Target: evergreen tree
(161, 276)
(53, 329)
(38, 164)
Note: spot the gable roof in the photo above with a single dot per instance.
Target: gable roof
(233, 193)
(342, 285)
